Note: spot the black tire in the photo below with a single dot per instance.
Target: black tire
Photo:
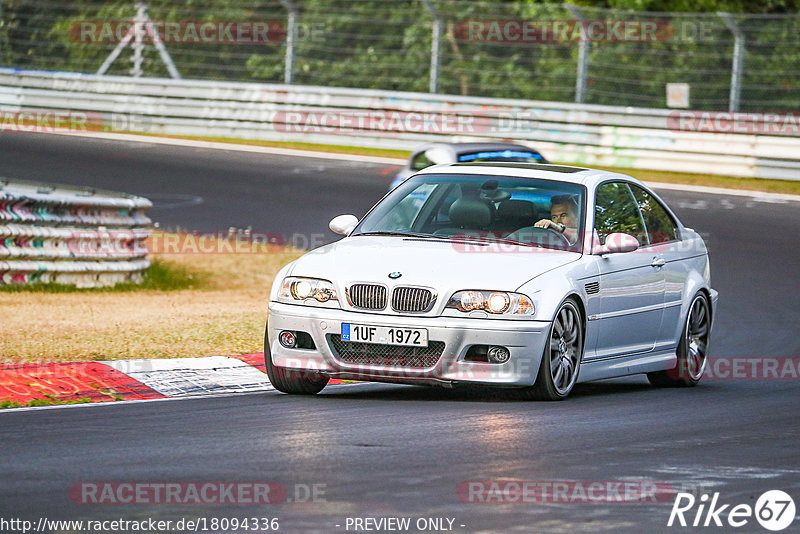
(692, 348)
(550, 385)
(292, 381)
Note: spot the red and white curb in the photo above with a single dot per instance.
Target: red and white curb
(194, 376)
(33, 383)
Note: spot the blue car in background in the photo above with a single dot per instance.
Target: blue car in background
(436, 153)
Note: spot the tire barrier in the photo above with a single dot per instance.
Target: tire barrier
(75, 236)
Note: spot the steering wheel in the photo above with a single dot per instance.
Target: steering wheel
(559, 234)
(541, 232)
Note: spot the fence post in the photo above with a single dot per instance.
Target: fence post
(138, 45)
(436, 39)
(583, 59)
(738, 60)
(291, 33)
(1, 33)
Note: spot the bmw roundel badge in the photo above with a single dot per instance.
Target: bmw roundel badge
(395, 275)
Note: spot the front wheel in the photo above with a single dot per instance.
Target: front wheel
(292, 381)
(562, 356)
(692, 349)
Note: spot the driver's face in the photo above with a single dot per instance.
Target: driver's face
(561, 213)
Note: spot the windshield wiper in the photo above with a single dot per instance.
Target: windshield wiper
(454, 237)
(492, 239)
(400, 234)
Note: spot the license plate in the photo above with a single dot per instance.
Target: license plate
(385, 335)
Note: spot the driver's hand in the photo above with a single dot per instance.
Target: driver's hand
(547, 223)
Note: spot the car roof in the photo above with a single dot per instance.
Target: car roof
(543, 171)
(465, 148)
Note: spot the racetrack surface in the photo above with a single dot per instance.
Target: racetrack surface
(384, 450)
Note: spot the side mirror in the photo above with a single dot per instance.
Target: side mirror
(618, 242)
(343, 224)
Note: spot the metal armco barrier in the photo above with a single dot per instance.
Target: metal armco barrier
(65, 235)
(747, 145)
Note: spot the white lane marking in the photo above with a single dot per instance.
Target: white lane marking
(234, 147)
(178, 377)
(170, 201)
(758, 195)
(165, 399)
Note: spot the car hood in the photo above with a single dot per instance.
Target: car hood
(440, 264)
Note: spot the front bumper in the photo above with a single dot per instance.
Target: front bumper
(524, 339)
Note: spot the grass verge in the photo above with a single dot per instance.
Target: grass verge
(49, 401)
(335, 149)
(189, 305)
(162, 275)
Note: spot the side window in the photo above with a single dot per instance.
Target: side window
(616, 211)
(661, 227)
(420, 162)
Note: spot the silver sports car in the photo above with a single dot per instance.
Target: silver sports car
(439, 153)
(520, 275)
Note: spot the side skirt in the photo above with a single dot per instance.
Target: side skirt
(627, 365)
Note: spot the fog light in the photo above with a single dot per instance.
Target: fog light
(498, 355)
(287, 339)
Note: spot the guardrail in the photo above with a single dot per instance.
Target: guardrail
(65, 235)
(569, 133)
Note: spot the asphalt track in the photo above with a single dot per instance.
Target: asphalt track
(388, 451)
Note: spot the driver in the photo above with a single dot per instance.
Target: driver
(563, 216)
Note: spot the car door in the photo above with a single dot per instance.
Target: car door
(664, 237)
(631, 283)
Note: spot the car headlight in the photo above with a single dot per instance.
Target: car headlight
(307, 288)
(495, 302)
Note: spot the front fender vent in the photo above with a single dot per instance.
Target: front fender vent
(592, 288)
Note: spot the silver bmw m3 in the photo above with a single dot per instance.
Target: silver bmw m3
(526, 276)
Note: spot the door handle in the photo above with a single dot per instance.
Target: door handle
(658, 262)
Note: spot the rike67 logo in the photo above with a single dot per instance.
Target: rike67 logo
(774, 510)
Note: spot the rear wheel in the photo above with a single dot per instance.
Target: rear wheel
(297, 382)
(692, 349)
(561, 360)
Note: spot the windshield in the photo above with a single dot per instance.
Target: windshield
(481, 207)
